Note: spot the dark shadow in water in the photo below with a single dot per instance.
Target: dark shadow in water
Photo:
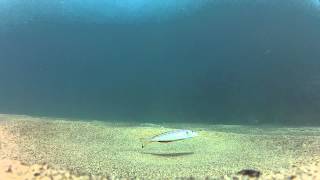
(170, 154)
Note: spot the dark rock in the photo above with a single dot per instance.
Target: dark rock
(250, 173)
(292, 177)
(9, 170)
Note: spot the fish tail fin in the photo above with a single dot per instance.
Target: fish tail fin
(144, 142)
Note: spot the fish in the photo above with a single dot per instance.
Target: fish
(169, 136)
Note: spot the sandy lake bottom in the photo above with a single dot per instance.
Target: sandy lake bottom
(47, 147)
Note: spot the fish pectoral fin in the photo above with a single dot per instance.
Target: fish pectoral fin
(144, 142)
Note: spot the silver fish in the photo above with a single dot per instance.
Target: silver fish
(170, 136)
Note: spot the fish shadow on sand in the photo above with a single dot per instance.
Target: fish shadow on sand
(170, 154)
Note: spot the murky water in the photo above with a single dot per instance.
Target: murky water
(244, 62)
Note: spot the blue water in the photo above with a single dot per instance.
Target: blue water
(222, 61)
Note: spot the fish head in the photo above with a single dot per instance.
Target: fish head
(191, 133)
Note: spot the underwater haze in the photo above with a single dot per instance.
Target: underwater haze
(215, 61)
